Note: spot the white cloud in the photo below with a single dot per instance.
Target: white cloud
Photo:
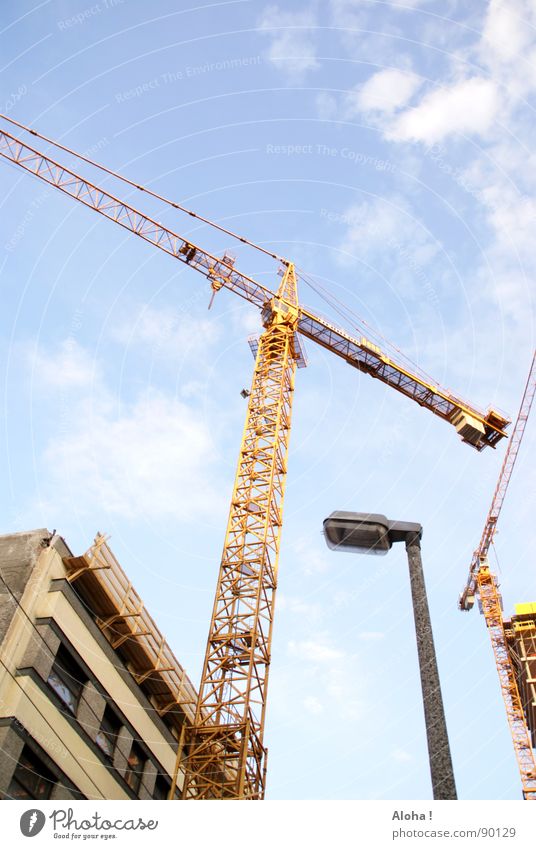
(463, 104)
(385, 227)
(152, 458)
(311, 611)
(167, 334)
(292, 49)
(323, 678)
(348, 13)
(467, 107)
(401, 755)
(314, 651)
(507, 30)
(326, 106)
(507, 49)
(509, 265)
(69, 367)
(313, 705)
(384, 92)
(371, 636)
(308, 557)
(152, 455)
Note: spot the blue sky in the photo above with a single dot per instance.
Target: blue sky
(386, 149)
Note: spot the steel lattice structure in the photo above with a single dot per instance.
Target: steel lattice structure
(468, 595)
(482, 581)
(226, 757)
(491, 608)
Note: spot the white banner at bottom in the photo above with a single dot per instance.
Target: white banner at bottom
(271, 825)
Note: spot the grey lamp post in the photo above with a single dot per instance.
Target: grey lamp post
(374, 534)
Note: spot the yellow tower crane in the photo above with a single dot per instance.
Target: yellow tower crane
(482, 582)
(226, 757)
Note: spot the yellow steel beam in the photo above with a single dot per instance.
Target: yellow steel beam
(226, 753)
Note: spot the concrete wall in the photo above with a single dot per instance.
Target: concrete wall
(34, 618)
(18, 556)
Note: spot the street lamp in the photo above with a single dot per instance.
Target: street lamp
(372, 533)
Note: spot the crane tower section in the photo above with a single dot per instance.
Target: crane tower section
(520, 633)
(226, 756)
(467, 598)
(509, 678)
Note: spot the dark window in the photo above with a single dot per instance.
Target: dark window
(136, 763)
(162, 786)
(109, 729)
(31, 779)
(67, 679)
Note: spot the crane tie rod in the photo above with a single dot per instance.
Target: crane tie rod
(145, 189)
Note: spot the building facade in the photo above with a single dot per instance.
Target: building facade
(520, 633)
(93, 703)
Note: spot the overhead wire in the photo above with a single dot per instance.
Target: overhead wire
(41, 714)
(61, 711)
(357, 322)
(342, 310)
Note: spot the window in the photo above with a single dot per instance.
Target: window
(31, 779)
(67, 679)
(109, 729)
(136, 763)
(162, 787)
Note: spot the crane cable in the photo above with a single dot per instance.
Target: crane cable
(355, 320)
(145, 189)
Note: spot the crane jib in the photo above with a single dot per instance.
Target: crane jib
(226, 755)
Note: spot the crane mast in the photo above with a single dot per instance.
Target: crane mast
(225, 753)
(226, 756)
(467, 598)
(483, 582)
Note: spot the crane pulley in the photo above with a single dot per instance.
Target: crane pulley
(226, 757)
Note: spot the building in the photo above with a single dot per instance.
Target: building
(93, 703)
(520, 633)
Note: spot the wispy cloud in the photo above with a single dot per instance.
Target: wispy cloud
(383, 226)
(67, 367)
(484, 84)
(292, 47)
(401, 755)
(383, 93)
(324, 677)
(152, 455)
(167, 334)
(308, 558)
(314, 651)
(468, 107)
